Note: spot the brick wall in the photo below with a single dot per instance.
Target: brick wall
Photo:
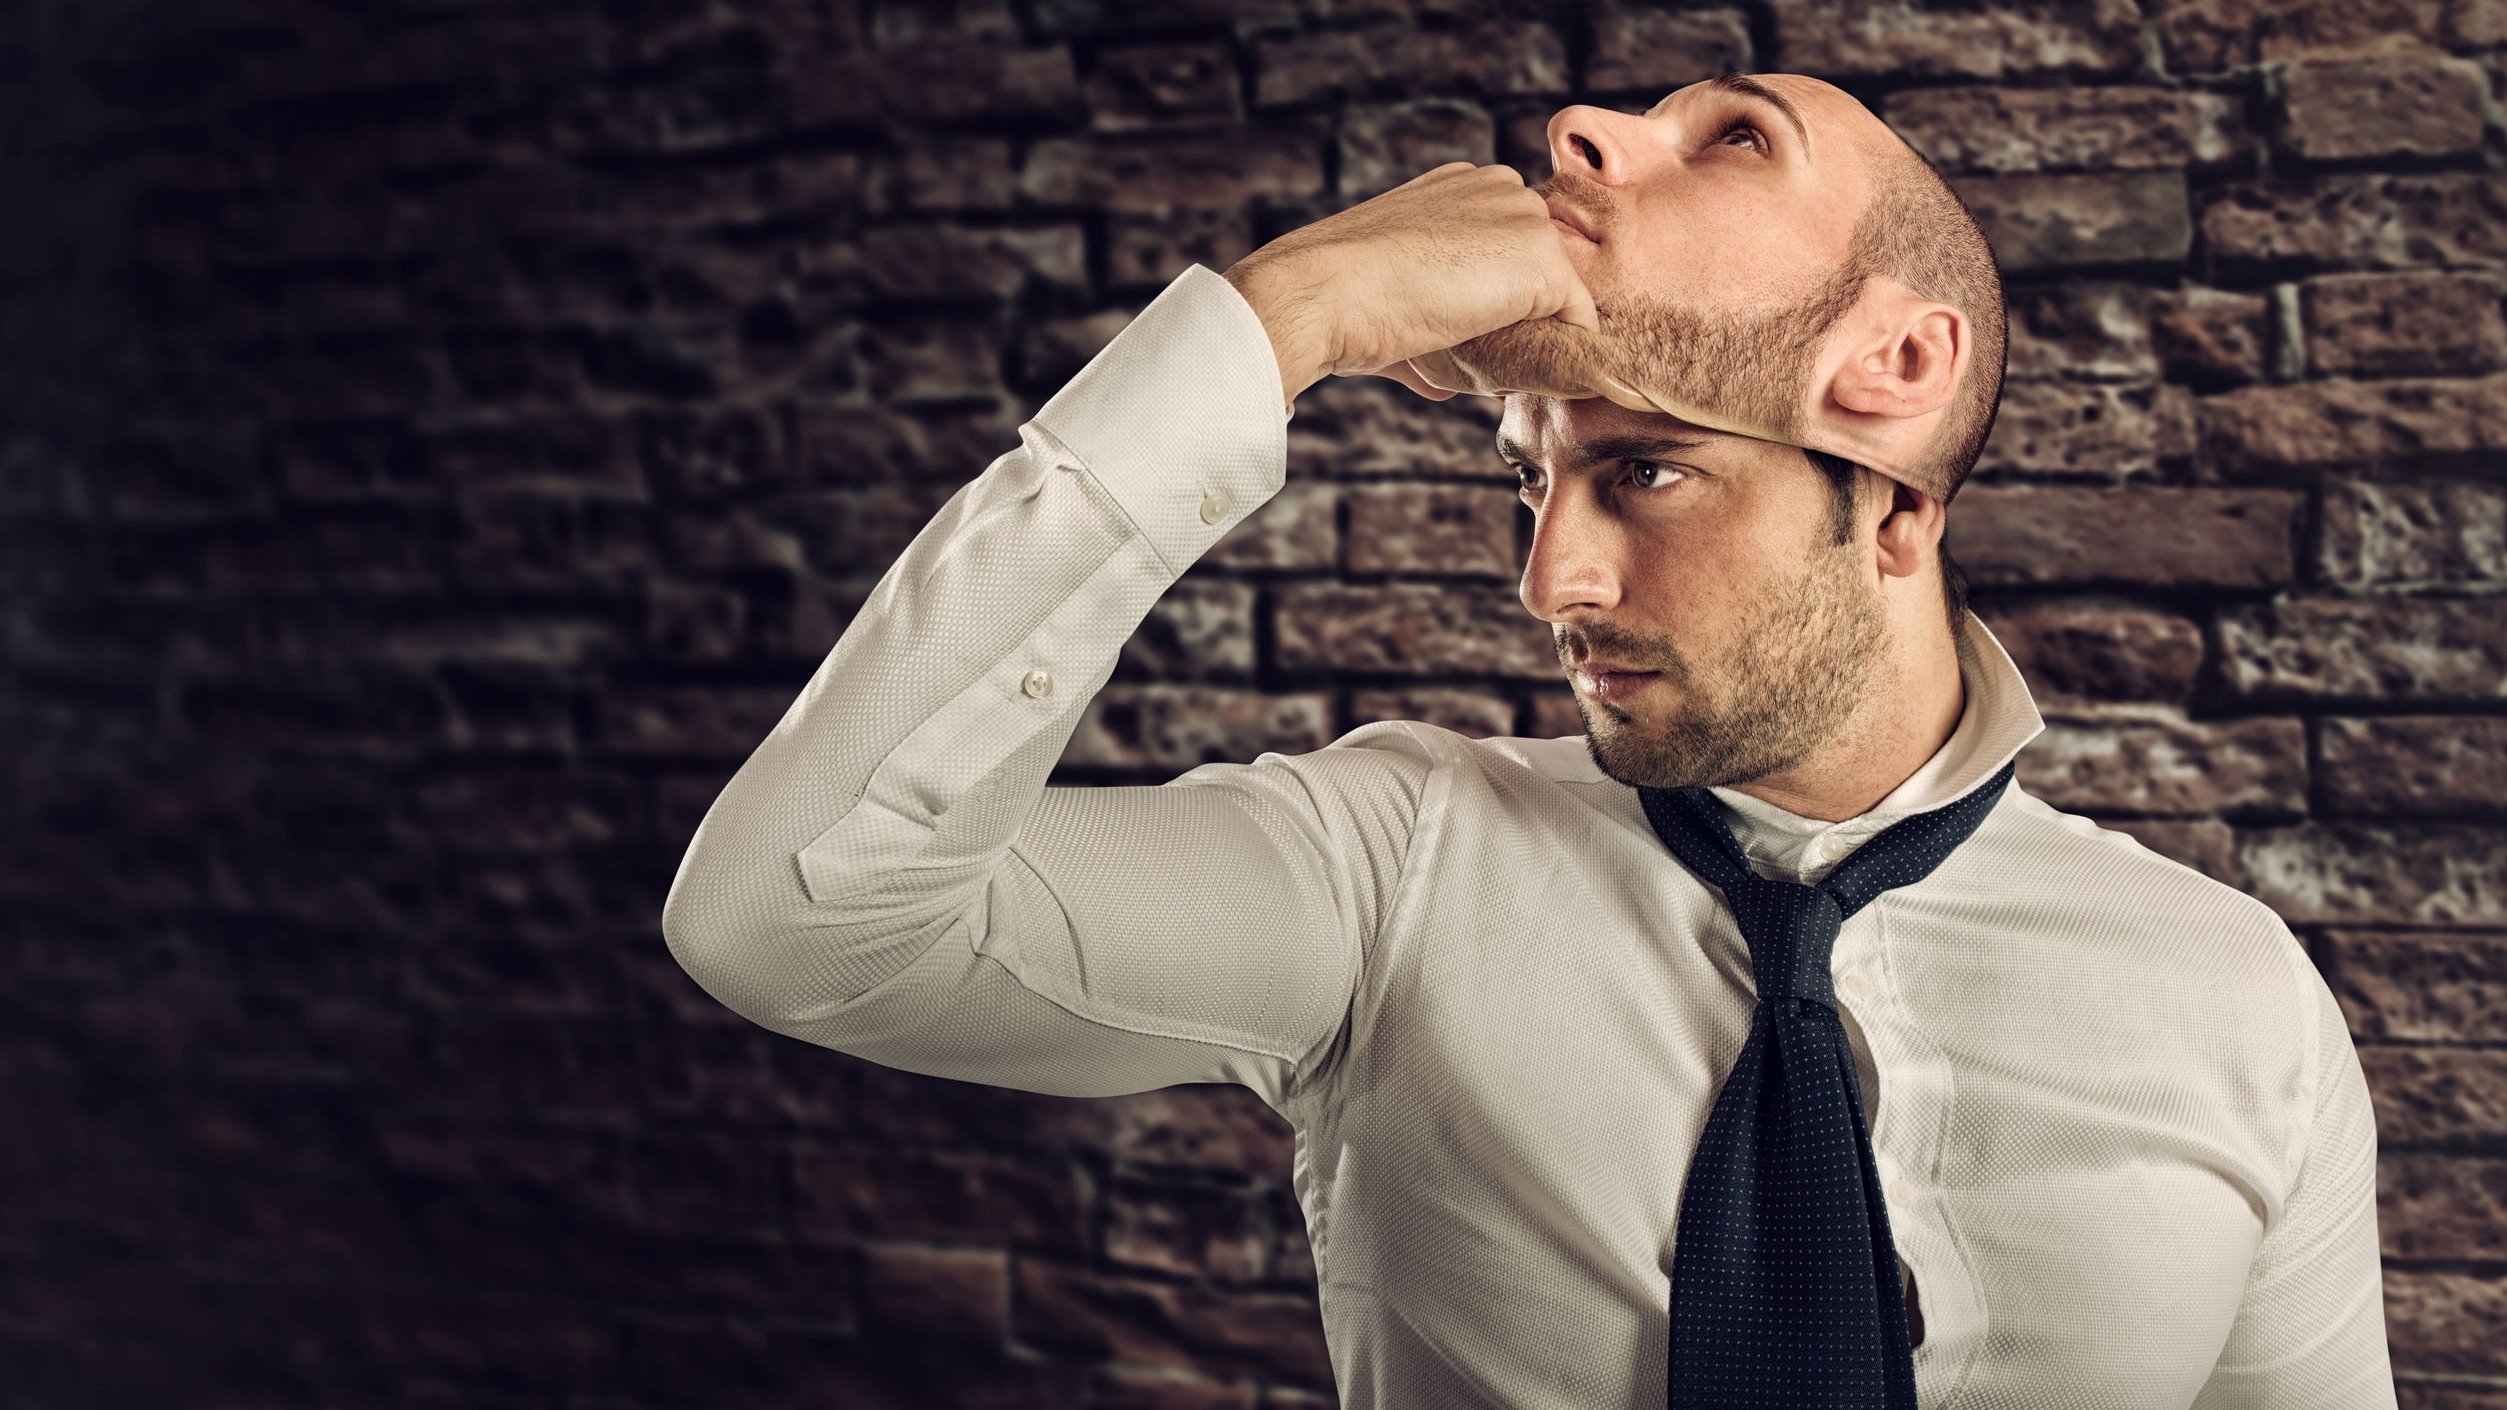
(442, 436)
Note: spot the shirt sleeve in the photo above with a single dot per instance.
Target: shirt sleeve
(888, 874)
(2310, 1330)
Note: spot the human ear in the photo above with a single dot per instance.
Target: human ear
(1910, 527)
(1909, 367)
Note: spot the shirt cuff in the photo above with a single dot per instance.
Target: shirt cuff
(1179, 417)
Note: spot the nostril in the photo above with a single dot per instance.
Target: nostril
(1590, 152)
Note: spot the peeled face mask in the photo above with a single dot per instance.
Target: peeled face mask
(1743, 374)
(1454, 370)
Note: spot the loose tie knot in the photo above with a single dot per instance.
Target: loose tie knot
(1792, 931)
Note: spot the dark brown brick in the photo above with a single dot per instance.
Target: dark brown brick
(1465, 712)
(1482, 58)
(943, 80)
(2067, 129)
(2433, 420)
(2445, 1323)
(2437, 1096)
(2441, 1206)
(2204, 35)
(1148, 251)
(2151, 763)
(863, 1190)
(1145, 85)
(2079, 330)
(2078, 651)
(2474, 24)
(2417, 104)
(1432, 530)
(1201, 1127)
(2069, 38)
(1185, 1230)
(2375, 533)
(914, 172)
(1149, 174)
(2392, 875)
(2213, 335)
(2393, 648)
(1119, 1388)
(1166, 729)
(1652, 53)
(957, 1293)
(941, 357)
(1385, 146)
(1202, 627)
(2365, 221)
(1297, 528)
(2150, 535)
(2111, 430)
(2422, 986)
(2046, 221)
(2403, 325)
(932, 259)
(2415, 764)
(1269, 1335)
(1370, 427)
(1425, 629)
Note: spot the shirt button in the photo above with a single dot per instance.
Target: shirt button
(1214, 504)
(1038, 684)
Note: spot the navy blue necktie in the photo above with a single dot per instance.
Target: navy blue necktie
(1784, 1281)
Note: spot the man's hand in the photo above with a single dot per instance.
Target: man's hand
(1451, 254)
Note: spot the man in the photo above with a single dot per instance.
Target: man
(1550, 1021)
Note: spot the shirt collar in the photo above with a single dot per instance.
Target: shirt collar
(1999, 719)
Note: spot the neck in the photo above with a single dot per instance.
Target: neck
(1904, 720)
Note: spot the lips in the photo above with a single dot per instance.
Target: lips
(1568, 216)
(1613, 685)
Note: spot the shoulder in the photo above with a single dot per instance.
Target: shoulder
(2117, 895)
(2113, 870)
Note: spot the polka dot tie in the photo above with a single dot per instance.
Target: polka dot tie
(1784, 1281)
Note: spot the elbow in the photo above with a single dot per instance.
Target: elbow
(724, 954)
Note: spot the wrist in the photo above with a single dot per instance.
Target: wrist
(1291, 313)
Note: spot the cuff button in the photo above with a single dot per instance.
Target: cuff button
(1037, 683)
(1214, 503)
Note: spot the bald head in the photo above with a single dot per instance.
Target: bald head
(1768, 258)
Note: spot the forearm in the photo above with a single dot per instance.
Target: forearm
(1294, 314)
(879, 806)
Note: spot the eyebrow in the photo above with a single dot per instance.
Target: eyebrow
(1605, 449)
(1747, 86)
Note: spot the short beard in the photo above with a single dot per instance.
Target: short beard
(1796, 674)
(1753, 371)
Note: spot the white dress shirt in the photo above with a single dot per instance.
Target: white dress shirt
(2124, 1140)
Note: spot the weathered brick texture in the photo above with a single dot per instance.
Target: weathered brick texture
(441, 438)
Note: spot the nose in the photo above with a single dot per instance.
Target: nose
(1572, 573)
(1595, 143)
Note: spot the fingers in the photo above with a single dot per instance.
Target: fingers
(1408, 376)
(1578, 309)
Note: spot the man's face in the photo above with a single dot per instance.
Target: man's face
(1720, 267)
(1709, 558)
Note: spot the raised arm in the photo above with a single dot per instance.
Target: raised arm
(888, 874)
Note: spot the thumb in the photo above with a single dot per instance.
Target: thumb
(1408, 376)
(1578, 308)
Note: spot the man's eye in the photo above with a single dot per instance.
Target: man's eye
(1527, 481)
(1757, 138)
